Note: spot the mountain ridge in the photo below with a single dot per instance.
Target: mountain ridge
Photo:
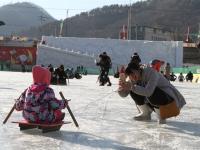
(22, 16)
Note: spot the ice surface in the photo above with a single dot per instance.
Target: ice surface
(105, 119)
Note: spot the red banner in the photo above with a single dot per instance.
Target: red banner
(18, 55)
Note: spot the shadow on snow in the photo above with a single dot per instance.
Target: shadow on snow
(85, 139)
(185, 127)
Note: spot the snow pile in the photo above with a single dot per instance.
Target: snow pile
(119, 50)
(56, 56)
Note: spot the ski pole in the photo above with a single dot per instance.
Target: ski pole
(9, 114)
(69, 110)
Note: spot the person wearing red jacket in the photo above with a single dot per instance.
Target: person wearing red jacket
(156, 64)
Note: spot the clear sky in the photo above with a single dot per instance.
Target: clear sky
(58, 8)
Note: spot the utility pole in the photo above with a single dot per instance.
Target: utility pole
(61, 27)
(198, 31)
(176, 34)
(129, 21)
(136, 33)
(55, 31)
(67, 26)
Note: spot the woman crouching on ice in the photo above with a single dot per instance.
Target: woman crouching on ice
(38, 101)
(151, 91)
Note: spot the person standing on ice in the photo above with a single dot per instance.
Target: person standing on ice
(105, 64)
(151, 91)
(61, 75)
(135, 58)
(38, 102)
(167, 71)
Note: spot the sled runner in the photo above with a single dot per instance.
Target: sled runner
(25, 125)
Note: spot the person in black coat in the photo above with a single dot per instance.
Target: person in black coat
(173, 77)
(61, 75)
(135, 59)
(53, 75)
(189, 76)
(105, 64)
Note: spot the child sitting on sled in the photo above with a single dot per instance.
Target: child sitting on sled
(38, 101)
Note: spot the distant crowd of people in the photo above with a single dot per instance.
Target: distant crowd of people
(105, 64)
(170, 75)
(188, 77)
(159, 66)
(60, 75)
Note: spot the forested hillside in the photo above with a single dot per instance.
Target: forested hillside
(174, 15)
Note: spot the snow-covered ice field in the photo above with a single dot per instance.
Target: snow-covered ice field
(105, 119)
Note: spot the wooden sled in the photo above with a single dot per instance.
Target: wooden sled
(25, 125)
